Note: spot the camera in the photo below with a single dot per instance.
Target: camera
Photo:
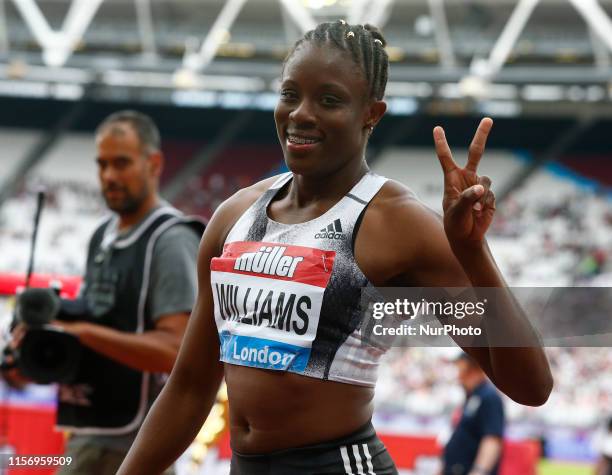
(46, 354)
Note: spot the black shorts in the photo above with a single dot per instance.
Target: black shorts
(361, 453)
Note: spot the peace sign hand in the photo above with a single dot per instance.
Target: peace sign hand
(469, 203)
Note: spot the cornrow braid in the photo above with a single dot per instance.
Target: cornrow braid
(366, 45)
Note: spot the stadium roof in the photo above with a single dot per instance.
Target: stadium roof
(516, 55)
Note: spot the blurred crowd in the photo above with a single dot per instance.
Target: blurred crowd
(71, 211)
(549, 240)
(423, 382)
(203, 194)
(547, 234)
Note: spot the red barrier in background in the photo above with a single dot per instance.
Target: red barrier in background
(10, 283)
(406, 449)
(30, 429)
(31, 432)
(519, 457)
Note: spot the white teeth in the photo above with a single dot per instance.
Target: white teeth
(301, 140)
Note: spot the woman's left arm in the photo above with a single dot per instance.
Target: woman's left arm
(423, 250)
(469, 206)
(522, 372)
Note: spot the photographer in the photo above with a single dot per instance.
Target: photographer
(138, 291)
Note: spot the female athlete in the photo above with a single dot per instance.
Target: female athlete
(281, 266)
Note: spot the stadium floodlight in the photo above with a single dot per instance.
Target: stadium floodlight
(58, 45)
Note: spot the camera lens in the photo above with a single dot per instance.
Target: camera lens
(47, 355)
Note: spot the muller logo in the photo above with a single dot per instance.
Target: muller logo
(269, 260)
(332, 231)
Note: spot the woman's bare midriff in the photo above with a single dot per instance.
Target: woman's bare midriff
(275, 410)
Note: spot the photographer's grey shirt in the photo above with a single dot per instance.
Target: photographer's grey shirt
(172, 289)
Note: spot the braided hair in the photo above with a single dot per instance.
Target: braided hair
(366, 45)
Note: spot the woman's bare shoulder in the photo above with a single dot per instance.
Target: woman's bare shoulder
(395, 197)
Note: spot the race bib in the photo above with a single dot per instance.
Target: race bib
(268, 300)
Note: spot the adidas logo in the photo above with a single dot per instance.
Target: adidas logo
(332, 231)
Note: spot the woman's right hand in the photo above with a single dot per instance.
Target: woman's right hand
(469, 203)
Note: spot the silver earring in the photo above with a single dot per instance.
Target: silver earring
(350, 34)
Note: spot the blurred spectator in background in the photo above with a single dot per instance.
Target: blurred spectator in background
(604, 464)
(475, 446)
(147, 248)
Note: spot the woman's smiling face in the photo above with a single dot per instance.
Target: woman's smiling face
(323, 111)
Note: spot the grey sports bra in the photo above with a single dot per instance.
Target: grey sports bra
(287, 296)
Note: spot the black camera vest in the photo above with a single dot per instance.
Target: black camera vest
(107, 397)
